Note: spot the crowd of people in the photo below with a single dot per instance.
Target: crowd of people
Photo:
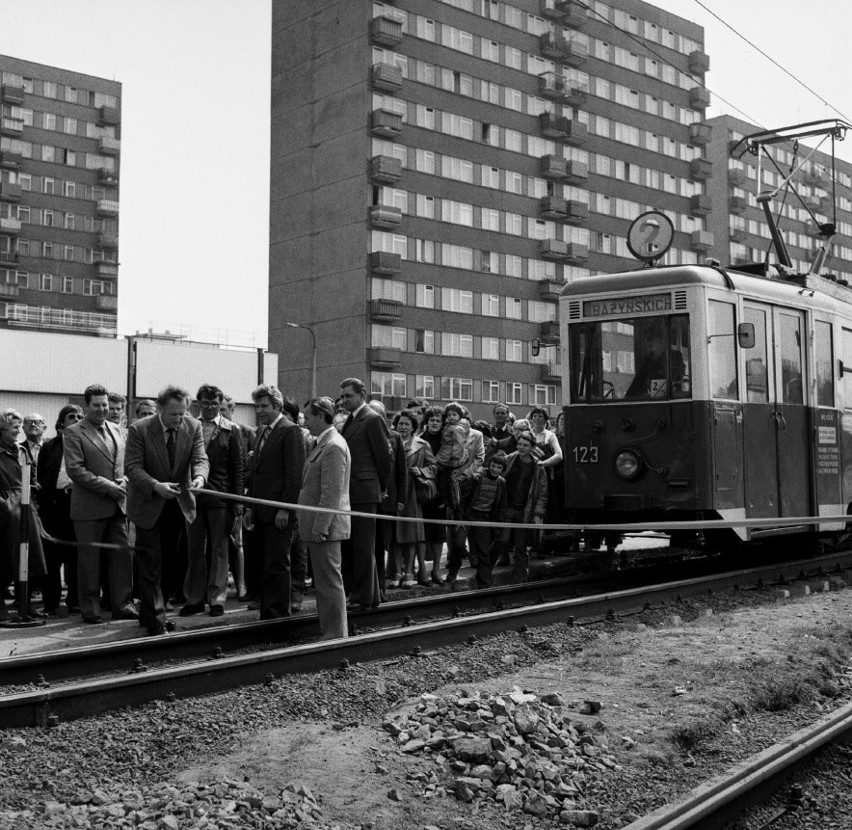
(137, 518)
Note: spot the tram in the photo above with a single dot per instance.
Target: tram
(701, 392)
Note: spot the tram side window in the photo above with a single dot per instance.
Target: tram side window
(824, 364)
(757, 371)
(722, 357)
(790, 347)
(846, 357)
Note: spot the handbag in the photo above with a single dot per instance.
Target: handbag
(425, 489)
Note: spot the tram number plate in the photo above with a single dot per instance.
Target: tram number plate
(585, 455)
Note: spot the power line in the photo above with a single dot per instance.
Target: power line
(772, 60)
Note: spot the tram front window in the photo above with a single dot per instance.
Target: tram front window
(640, 358)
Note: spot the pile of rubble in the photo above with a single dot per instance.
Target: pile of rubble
(519, 750)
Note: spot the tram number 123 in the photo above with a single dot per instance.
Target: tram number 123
(585, 455)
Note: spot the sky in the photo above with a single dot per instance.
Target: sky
(194, 218)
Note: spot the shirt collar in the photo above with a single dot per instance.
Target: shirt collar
(217, 420)
(358, 410)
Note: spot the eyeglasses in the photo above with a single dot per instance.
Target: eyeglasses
(28, 422)
(75, 415)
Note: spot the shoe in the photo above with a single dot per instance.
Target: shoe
(436, 580)
(408, 581)
(191, 608)
(254, 605)
(170, 626)
(156, 631)
(215, 611)
(452, 576)
(356, 606)
(93, 620)
(125, 614)
(243, 597)
(426, 583)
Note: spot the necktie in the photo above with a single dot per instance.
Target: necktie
(105, 437)
(347, 423)
(262, 439)
(170, 446)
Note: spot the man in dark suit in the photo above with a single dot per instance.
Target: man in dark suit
(54, 508)
(165, 463)
(214, 516)
(275, 473)
(325, 483)
(94, 460)
(368, 438)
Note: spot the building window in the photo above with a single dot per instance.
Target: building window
(514, 267)
(387, 384)
(456, 299)
(425, 296)
(388, 290)
(49, 121)
(69, 189)
(48, 185)
(46, 282)
(389, 337)
(424, 341)
(425, 206)
(514, 351)
(490, 305)
(68, 285)
(514, 393)
(424, 386)
(48, 153)
(514, 308)
(491, 391)
(490, 219)
(424, 250)
(543, 395)
(69, 253)
(424, 161)
(490, 348)
(456, 345)
(457, 389)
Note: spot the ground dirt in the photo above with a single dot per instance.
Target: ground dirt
(683, 696)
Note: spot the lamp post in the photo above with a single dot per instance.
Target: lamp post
(313, 356)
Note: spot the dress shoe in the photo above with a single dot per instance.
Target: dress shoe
(436, 580)
(125, 614)
(191, 608)
(93, 620)
(215, 610)
(156, 630)
(170, 626)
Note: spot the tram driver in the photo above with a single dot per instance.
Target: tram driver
(659, 366)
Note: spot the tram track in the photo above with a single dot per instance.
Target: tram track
(452, 618)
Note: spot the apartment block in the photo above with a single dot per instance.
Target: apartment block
(819, 193)
(441, 168)
(60, 143)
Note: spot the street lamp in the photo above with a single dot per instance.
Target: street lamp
(313, 357)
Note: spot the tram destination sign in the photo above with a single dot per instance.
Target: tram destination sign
(628, 305)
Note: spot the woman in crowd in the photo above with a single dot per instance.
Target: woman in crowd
(549, 454)
(409, 537)
(435, 534)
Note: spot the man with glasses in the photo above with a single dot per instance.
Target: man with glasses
(34, 428)
(214, 516)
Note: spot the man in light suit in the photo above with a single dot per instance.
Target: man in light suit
(165, 462)
(368, 438)
(325, 483)
(274, 473)
(94, 452)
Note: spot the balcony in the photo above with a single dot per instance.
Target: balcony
(573, 15)
(816, 178)
(700, 134)
(9, 259)
(9, 290)
(386, 31)
(553, 126)
(576, 94)
(578, 212)
(12, 94)
(384, 311)
(107, 177)
(552, 207)
(552, 86)
(383, 262)
(107, 302)
(107, 207)
(739, 235)
(108, 116)
(699, 98)
(737, 177)
(385, 169)
(387, 77)
(700, 170)
(576, 253)
(553, 168)
(385, 123)
(384, 357)
(109, 146)
(10, 160)
(737, 205)
(551, 372)
(549, 331)
(700, 204)
(10, 226)
(550, 10)
(554, 249)
(108, 241)
(813, 202)
(699, 62)
(553, 46)
(11, 126)
(10, 192)
(577, 133)
(550, 289)
(382, 216)
(701, 241)
(106, 269)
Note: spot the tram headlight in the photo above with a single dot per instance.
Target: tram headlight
(629, 464)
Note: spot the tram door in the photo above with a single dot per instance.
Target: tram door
(776, 428)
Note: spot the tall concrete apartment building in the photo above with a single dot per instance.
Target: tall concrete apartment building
(440, 168)
(738, 223)
(59, 170)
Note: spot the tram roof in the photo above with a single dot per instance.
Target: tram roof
(818, 289)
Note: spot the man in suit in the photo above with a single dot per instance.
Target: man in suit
(214, 516)
(368, 438)
(325, 483)
(94, 451)
(275, 473)
(54, 508)
(165, 464)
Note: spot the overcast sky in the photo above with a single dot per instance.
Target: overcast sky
(195, 128)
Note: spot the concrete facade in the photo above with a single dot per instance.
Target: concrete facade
(440, 169)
